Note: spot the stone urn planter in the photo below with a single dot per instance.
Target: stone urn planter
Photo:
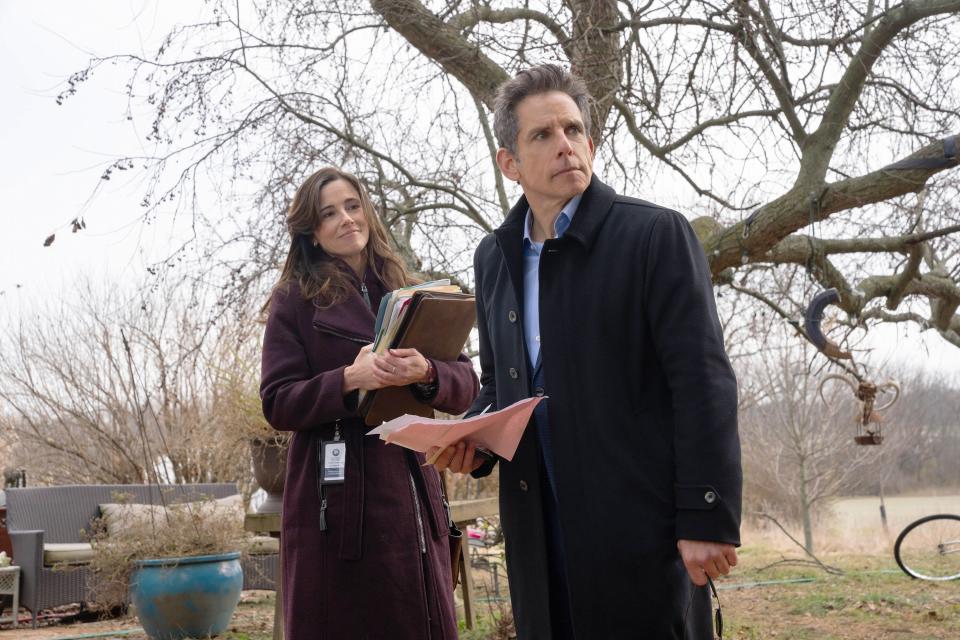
(191, 597)
(269, 468)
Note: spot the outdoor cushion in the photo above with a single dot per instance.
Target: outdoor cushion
(260, 545)
(120, 516)
(67, 553)
(229, 509)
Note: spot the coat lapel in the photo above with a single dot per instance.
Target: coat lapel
(594, 207)
(510, 240)
(351, 319)
(593, 210)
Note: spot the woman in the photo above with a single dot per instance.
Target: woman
(366, 557)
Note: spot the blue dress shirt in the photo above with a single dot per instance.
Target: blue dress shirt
(531, 276)
(558, 589)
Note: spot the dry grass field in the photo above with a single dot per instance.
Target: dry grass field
(776, 592)
(871, 599)
(855, 522)
(773, 596)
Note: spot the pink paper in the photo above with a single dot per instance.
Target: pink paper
(497, 431)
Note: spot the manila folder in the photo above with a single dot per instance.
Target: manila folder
(437, 325)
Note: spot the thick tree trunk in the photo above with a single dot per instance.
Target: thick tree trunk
(596, 53)
(805, 509)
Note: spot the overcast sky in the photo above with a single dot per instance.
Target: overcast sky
(52, 157)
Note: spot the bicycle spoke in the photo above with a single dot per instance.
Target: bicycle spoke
(929, 548)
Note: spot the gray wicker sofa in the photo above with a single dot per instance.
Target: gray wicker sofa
(54, 516)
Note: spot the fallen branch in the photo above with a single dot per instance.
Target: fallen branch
(814, 561)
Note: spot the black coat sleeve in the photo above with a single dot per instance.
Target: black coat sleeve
(688, 341)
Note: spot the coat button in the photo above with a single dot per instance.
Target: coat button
(710, 497)
(514, 373)
(538, 392)
(523, 485)
(512, 315)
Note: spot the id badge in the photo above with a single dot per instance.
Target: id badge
(333, 461)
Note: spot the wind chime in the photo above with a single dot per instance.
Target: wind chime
(868, 420)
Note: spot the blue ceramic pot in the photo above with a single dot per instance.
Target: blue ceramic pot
(191, 597)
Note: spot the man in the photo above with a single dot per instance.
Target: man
(624, 494)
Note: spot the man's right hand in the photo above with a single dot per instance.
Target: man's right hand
(458, 458)
(703, 558)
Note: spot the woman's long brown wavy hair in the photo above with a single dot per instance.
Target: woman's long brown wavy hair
(321, 277)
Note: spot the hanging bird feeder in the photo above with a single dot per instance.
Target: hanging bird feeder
(869, 421)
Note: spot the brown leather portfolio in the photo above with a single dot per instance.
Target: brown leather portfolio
(437, 325)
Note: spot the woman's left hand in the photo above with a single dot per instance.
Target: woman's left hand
(400, 367)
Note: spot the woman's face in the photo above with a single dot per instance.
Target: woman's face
(343, 231)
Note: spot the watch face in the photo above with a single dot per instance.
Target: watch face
(426, 389)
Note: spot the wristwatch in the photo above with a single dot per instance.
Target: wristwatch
(427, 390)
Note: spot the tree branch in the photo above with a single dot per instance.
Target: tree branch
(797, 208)
(820, 145)
(673, 21)
(879, 313)
(492, 151)
(361, 144)
(595, 54)
(780, 89)
(944, 295)
(476, 14)
(443, 44)
(795, 247)
(791, 320)
(911, 271)
(659, 153)
(829, 569)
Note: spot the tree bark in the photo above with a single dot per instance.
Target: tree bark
(444, 45)
(797, 208)
(596, 55)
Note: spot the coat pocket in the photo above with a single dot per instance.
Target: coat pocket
(433, 502)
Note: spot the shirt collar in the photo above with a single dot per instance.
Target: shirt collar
(560, 225)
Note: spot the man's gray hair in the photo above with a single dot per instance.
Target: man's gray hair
(530, 82)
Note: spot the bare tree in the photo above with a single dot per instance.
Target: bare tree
(925, 435)
(122, 388)
(798, 450)
(809, 141)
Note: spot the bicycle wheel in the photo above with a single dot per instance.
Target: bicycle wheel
(929, 549)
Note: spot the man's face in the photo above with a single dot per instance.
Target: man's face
(554, 158)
